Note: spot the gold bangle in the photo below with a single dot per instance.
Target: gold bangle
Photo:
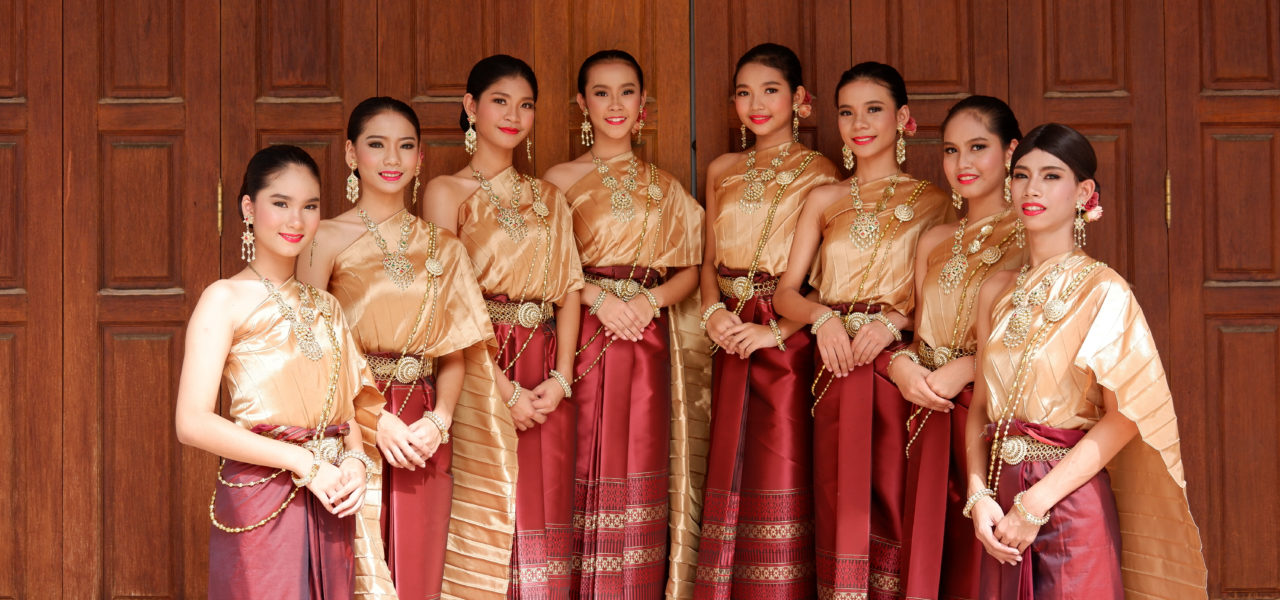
(315, 470)
(777, 334)
(370, 469)
(515, 396)
(599, 301)
(653, 301)
(974, 499)
(1026, 516)
(907, 352)
(827, 316)
(893, 329)
(439, 423)
(564, 383)
(706, 314)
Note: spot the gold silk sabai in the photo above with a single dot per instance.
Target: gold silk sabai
(737, 231)
(841, 267)
(519, 269)
(1103, 341)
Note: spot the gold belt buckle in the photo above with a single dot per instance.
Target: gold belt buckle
(855, 321)
(529, 315)
(743, 289)
(628, 288)
(1014, 449)
(408, 369)
(325, 449)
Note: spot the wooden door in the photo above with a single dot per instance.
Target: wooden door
(426, 50)
(1223, 121)
(30, 298)
(945, 52)
(140, 95)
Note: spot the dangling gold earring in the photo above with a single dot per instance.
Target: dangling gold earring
(588, 133)
(1019, 233)
(743, 129)
(248, 251)
(469, 140)
(639, 128)
(957, 200)
(848, 157)
(416, 182)
(1008, 183)
(1079, 233)
(795, 122)
(900, 150)
(353, 186)
(314, 244)
(528, 147)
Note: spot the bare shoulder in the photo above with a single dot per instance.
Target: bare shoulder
(820, 197)
(995, 286)
(227, 301)
(565, 174)
(453, 186)
(721, 165)
(936, 235)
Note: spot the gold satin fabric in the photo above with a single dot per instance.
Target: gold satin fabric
(503, 265)
(1104, 341)
(839, 266)
(603, 241)
(738, 233)
(936, 312)
(484, 461)
(271, 382)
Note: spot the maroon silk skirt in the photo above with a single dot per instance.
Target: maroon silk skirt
(303, 553)
(543, 543)
(1077, 553)
(859, 465)
(416, 504)
(620, 482)
(757, 520)
(943, 557)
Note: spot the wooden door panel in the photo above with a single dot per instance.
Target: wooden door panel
(140, 85)
(1224, 155)
(30, 293)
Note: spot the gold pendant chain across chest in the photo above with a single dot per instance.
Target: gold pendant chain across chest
(621, 202)
(953, 271)
(509, 217)
(1025, 300)
(396, 264)
(299, 320)
(864, 232)
(756, 179)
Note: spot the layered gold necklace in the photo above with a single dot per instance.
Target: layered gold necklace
(1024, 301)
(756, 179)
(299, 321)
(620, 200)
(509, 217)
(865, 229)
(396, 264)
(955, 268)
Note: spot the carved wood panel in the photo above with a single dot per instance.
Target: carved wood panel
(141, 99)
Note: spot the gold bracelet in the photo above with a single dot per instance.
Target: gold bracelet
(907, 352)
(439, 423)
(515, 396)
(827, 316)
(653, 301)
(1026, 516)
(777, 334)
(315, 470)
(974, 499)
(564, 383)
(706, 314)
(599, 301)
(893, 329)
(370, 469)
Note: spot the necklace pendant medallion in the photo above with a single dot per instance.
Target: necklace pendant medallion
(864, 230)
(399, 269)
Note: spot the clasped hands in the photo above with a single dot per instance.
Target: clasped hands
(625, 319)
(533, 406)
(407, 446)
(840, 354)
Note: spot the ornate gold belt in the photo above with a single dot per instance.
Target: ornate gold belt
(525, 314)
(744, 289)
(406, 369)
(325, 448)
(1022, 448)
(625, 289)
(935, 358)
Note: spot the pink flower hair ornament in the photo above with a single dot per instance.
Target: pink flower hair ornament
(1092, 209)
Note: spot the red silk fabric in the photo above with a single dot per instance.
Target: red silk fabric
(1077, 553)
(303, 553)
(416, 504)
(757, 525)
(942, 555)
(543, 543)
(620, 482)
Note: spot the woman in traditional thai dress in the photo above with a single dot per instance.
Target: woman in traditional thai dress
(1073, 452)
(757, 526)
(302, 407)
(941, 556)
(410, 294)
(639, 234)
(518, 231)
(856, 239)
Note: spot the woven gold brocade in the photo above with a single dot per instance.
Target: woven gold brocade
(737, 233)
(839, 265)
(1104, 341)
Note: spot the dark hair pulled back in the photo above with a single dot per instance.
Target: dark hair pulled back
(267, 163)
(492, 69)
(995, 115)
(774, 56)
(605, 56)
(372, 107)
(880, 73)
(1065, 143)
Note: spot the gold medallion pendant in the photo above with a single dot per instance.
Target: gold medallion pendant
(952, 273)
(1054, 310)
(433, 266)
(622, 207)
(991, 255)
(399, 269)
(904, 213)
(512, 223)
(864, 231)
(540, 208)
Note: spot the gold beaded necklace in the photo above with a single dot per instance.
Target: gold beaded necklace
(410, 368)
(397, 266)
(541, 211)
(865, 229)
(620, 200)
(1024, 301)
(757, 178)
(509, 217)
(298, 325)
(956, 266)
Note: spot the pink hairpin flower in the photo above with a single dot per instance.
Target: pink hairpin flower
(1092, 209)
(910, 126)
